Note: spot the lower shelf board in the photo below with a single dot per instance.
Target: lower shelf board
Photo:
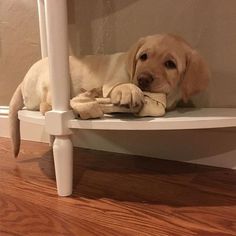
(182, 118)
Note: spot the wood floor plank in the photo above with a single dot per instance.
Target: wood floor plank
(114, 194)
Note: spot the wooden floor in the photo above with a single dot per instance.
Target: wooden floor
(114, 194)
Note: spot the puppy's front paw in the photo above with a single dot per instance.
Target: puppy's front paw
(127, 95)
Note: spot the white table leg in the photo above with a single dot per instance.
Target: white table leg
(63, 159)
(42, 28)
(43, 41)
(56, 120)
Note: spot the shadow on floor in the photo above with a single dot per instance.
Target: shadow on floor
(129, 178)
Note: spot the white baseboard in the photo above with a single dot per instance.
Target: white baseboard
(214, 147)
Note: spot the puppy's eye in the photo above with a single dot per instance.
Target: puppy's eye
(143, 57)
(170, 64)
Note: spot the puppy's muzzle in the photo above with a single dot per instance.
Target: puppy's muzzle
(145, 80)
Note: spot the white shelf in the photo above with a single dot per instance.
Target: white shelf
(203, 118)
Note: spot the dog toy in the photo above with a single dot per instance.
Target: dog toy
(154, 105)
(87, 105)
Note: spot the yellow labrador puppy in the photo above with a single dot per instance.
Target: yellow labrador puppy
(158, 63)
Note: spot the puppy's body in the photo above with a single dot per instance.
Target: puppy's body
(86, 73)
(159, 63)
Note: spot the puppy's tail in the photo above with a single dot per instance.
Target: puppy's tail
(16, 104)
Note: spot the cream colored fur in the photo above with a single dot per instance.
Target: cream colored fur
(116, 77)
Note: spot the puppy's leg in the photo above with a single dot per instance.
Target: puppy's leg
(44, 107)
(45, 104)
(127, 95)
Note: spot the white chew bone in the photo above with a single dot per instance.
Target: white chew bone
(155, 104)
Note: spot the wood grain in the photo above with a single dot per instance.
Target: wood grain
(114, 194)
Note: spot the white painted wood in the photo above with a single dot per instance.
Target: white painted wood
(63, 159)
(213, 147)
(57, 122)
(202, 118)
(43, 38)
(42, 28)
(31, 117)
(58, 58)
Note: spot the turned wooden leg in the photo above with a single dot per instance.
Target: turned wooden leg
(63, 160)
(56, 121)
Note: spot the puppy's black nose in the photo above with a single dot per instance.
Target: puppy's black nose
(144, 80)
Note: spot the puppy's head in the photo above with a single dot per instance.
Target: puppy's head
(167, 64)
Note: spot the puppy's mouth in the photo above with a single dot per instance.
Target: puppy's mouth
(147, 82)
(146, 89)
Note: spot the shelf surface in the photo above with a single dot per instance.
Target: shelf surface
(202, 118)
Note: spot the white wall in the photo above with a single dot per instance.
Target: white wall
(214, 147)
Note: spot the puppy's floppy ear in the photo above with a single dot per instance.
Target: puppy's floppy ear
(130, 63)
(196, 76)
(131, 57)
